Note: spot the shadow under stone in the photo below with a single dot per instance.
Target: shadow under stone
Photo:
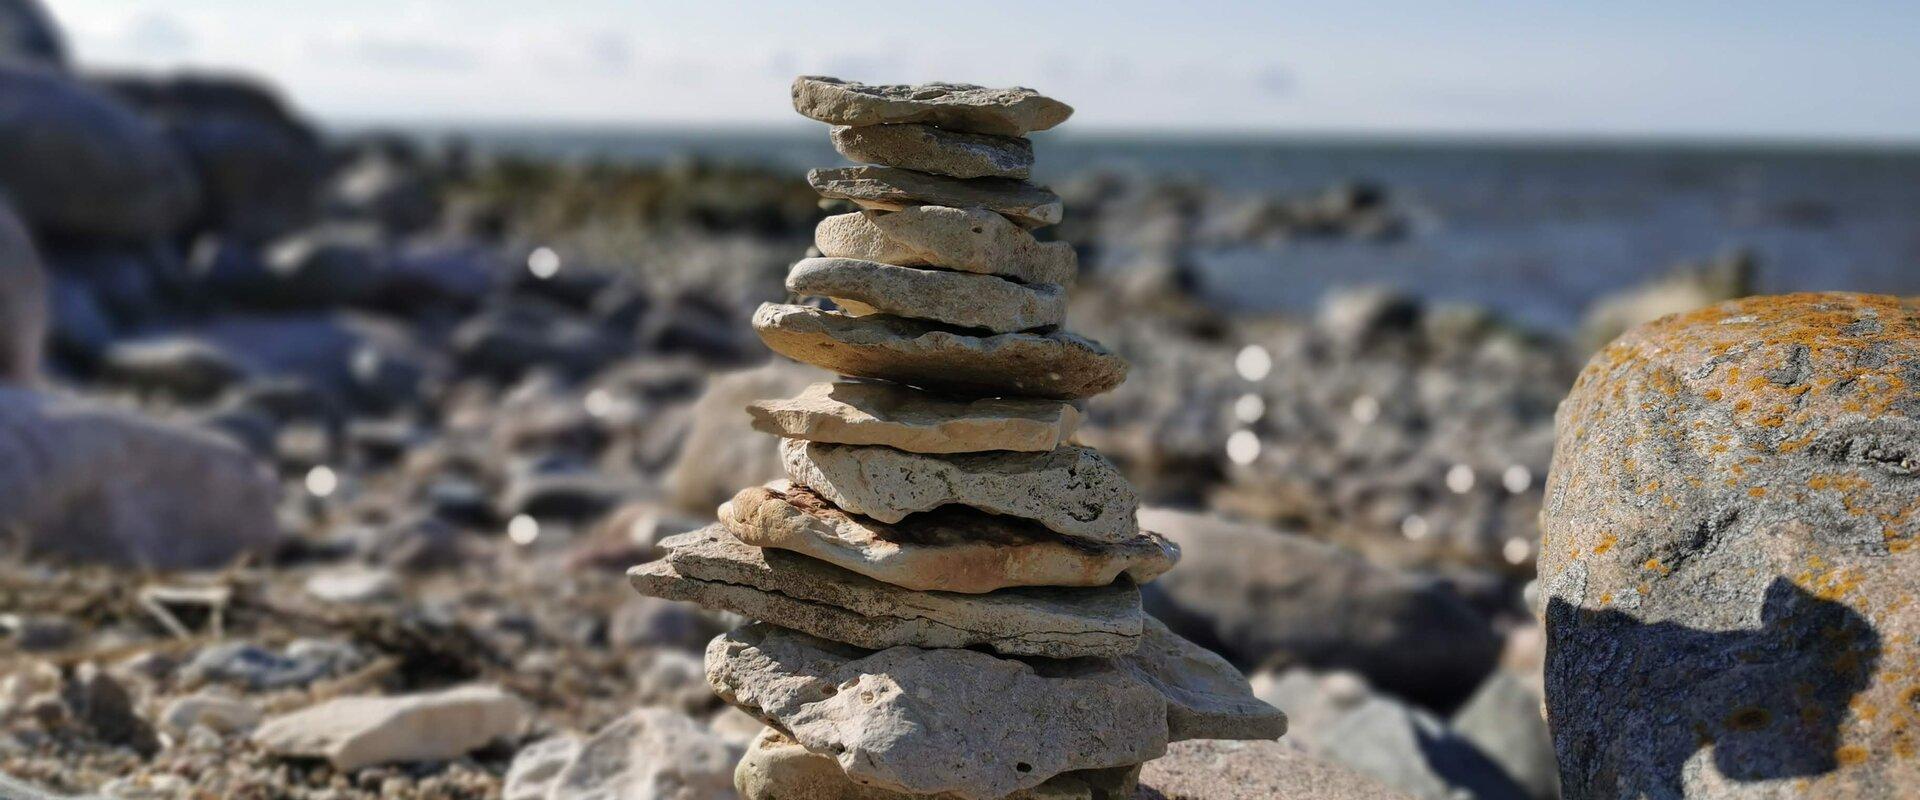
(1630, 702)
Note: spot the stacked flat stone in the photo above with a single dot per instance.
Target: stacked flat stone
(945, 590)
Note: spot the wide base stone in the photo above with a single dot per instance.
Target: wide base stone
(949, 549)
(1056, 365)
(713, 569)
(778, 768)
(956, 720)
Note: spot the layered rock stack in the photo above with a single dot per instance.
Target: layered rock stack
(945, 591)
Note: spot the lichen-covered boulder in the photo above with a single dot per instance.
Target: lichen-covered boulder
(1726, 556)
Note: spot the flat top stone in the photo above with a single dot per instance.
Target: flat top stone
(356, 732)
(955, 106)
(963, 299)
(931, 721)
(924, 148)
(908, 419)
(812, 595)
(892, 189)
(952, 549)
(966, 239)
(1056, 365)
(1073, 491)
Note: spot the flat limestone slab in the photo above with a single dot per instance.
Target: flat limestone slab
(955, 106)
(924, 148)
(966, 239)
(939, 721)
(909, 419)
(892, 189)
(777, 768)
(712, 568)
(1073, 491)
(965, 299)
(951, 549)
(1055, 365)
(361, 731)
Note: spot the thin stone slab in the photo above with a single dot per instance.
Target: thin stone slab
(1017, 111)
(950, 549)
(1073, 491)
(1055, 365)
(924, 721)
(965, 239)
(712, 568)
(962, 299)
(892, 189)
(924, 148)
(777, 768)
(908, 419)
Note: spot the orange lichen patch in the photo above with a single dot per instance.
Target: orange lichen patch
(1757, 491)
(1606, 543)
(1655, 565)
(1850, 755)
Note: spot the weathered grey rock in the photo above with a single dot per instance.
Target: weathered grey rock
(220, 713)
(963, 299)
(649, 754)
(954, 106)
(80, 163)
(1227, 770)
(966, 239)
(1073, 491)
(92, 483)
(892, 189)
(951, 549)
(931, 721)
(1206, 697)
(1057, 365)
(1314, 701)
(925, 148)
(27, 33)
(1503, 720)
(1726, 554)
(355, 732)
(713, 569)
(1258, 593)
(184, 367)
(842, 412)
(718, 455)
(777, 768)
(1412, 751)
(23, 302)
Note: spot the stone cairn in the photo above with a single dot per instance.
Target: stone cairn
(945, 590)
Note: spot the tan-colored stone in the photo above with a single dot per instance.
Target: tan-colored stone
(925, 148)
(889, 414)
(931, 721)
(1057, 364)
(966, 239)
(949, 549)
(1073, 491)
(963, 299)
(1217, 770)
(892, 189)
(954, 106)
(777, 768)
(356, 732)
(712, 568)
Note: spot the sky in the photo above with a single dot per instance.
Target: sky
(1766, 69)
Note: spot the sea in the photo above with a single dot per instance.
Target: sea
(1534, 229)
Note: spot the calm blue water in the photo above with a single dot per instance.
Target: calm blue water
(1534, 230)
